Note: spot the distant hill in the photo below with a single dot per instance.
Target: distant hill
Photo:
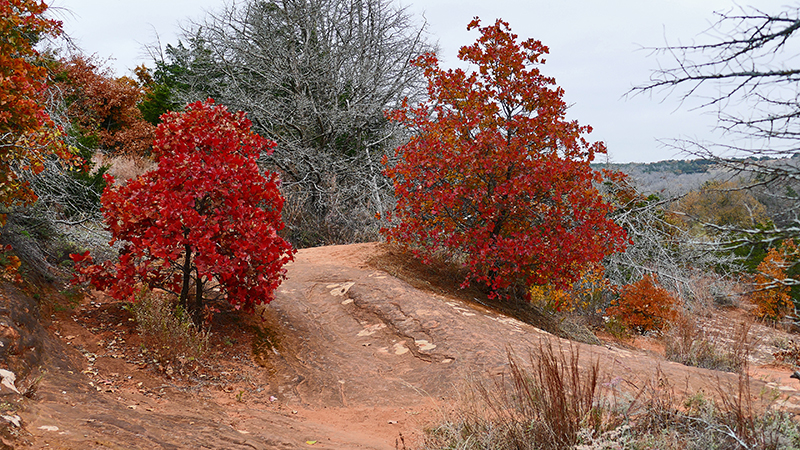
(676, 177)
(671, 177)
(675, 166)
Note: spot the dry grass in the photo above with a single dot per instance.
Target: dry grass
(168, 332)
(727, 419)
(553, 403)
(544, 405)
(687, 343)
(712, 291)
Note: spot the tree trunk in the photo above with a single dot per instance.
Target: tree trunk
(197, 314)
(187, 272)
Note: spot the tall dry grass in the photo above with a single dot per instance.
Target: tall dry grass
(542, 405)
(168, 332)
(687, 343)
(554, 403)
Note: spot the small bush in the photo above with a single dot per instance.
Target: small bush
(772, 298)
(586, 296)
(9, 265)
(167, 330)
(617, 328)
(645, 306)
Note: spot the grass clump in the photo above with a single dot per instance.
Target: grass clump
(167, 330)
(546, 405)
(555, 404)
(726, 421)
(686, 343)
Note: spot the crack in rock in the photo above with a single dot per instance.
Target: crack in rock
(406, 326)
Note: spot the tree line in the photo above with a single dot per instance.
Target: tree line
(354, 133)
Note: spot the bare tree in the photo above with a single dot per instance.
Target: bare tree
(66, 213)
(659, 245)
(315, 76)
(746, 70)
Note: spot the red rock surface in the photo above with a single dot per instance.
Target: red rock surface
(346, 357)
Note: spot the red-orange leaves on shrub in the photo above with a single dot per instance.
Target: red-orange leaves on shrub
(645, 306)
(772, 298)
(205, 217)
(494, 174)
(103, 106)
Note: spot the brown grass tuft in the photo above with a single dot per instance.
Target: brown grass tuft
(168, 332)
(543, 405)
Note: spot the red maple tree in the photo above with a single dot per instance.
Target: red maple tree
(494, 175)
(205, 218)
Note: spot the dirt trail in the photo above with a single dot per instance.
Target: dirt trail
(346, 357)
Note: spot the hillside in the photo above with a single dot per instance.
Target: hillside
(670, 177)
(347, 356)
(675, 177)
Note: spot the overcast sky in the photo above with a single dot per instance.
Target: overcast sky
(595, 46)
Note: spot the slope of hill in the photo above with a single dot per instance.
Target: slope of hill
(676, 177)
(347, 356)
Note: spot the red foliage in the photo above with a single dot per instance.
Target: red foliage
(205, 215)
(27, 135)
(645, 306)
(495, 175)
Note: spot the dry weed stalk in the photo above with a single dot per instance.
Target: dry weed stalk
(542, 406)
(554, 404)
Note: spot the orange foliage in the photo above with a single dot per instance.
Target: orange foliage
(100, 105)
(645, 306)
(585, 294)
(9, 265)
(772, 298)
(27, 135)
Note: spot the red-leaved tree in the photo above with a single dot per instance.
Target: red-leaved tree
(205, 218)
(495, 176)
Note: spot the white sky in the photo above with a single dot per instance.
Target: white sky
(595, 51)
